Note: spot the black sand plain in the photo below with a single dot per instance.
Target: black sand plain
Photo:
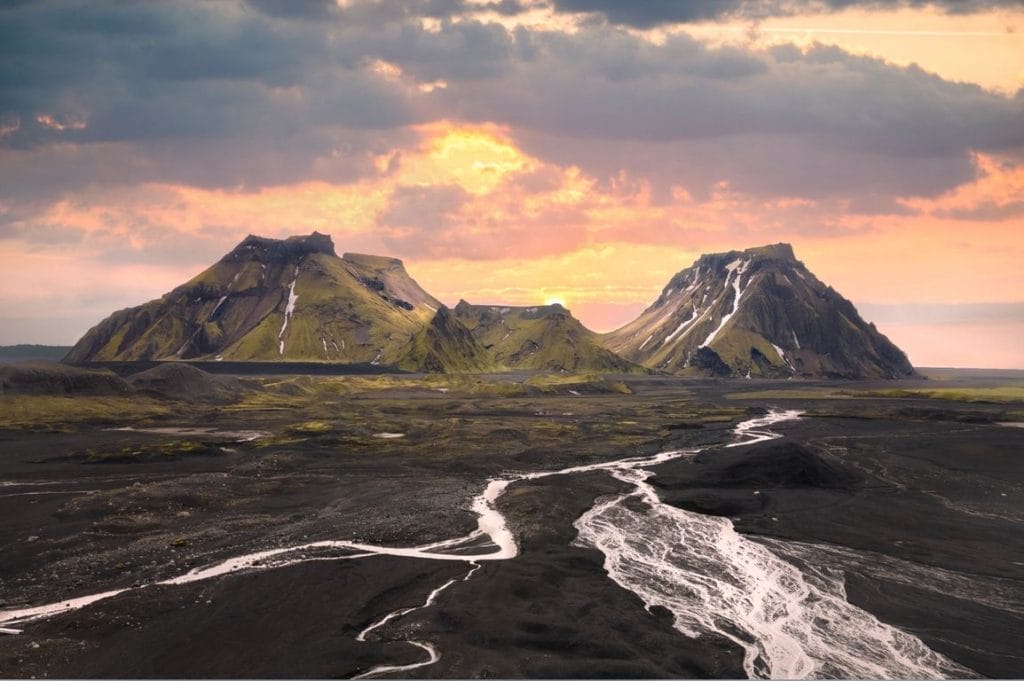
(915, 496)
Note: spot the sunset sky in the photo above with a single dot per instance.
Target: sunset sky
(521, 151)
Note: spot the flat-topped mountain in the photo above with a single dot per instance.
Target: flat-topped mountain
(542, 337)
(273, 299)
(758, 312)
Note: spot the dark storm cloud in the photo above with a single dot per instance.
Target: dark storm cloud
(604, 84)
(204, 93)
(820, 123)
(180, 70)
(650, 13)
(380, 11)
(296, 9)
(234, 94)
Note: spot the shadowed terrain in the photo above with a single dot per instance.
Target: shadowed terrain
(913, 496)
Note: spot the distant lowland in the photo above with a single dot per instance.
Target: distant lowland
(24, 351)
(753, 313)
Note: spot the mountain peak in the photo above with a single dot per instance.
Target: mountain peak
(525, 311)
(293, 246)
(756, 312)
(442, 317)
(444, 345)
(779, 251)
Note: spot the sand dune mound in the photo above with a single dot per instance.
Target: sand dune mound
(771, 465)
(180, 381)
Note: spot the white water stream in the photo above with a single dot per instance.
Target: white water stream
(712, 579)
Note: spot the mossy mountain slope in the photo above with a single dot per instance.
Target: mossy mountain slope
(758, 312)
(270, 299)
(544, 338)
(446, 346)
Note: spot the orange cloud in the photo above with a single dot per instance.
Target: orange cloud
(485, 221)
(998, 194)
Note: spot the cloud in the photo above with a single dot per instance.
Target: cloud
(993, 197)
(815, 123)
(296, 9)
(259, 94)
(986, 211)
(652, 13)
(419, 215)
(604, 84)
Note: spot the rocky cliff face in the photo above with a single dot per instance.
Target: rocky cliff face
(757, 312)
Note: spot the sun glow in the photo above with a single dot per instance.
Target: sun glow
(477, 158)
(555, 300)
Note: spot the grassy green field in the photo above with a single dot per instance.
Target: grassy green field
(31, 412)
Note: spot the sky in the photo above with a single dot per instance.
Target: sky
(522, 151)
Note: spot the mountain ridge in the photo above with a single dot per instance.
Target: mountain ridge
(757, 312)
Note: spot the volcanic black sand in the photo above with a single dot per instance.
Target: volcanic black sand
(916, 498)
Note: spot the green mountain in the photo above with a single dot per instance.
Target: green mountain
(446, 346)
(545, 337)
(271, 299)
(757, 312)
(294, 299)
